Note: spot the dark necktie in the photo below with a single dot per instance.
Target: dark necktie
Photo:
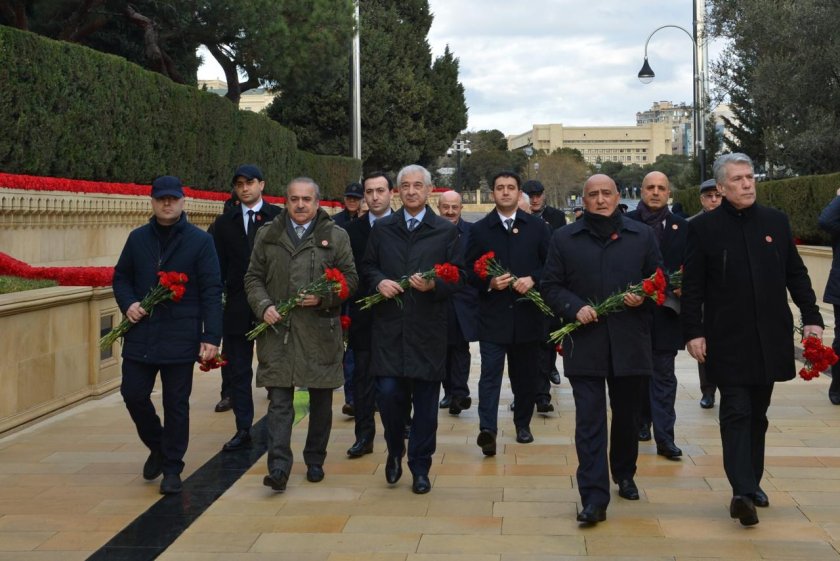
(509, 224)
(252, 228)
(412, 224)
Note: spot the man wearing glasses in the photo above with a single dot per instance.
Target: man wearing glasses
(710, 198)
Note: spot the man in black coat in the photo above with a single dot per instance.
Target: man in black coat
(353, 196)
(462, 326)
(660, 394)
(171, 339)
(509, 325)
(378, 189)
(830, 222)
(409, 358)
(741, 264)
(234, 233)
(556, 219)
(588, 261)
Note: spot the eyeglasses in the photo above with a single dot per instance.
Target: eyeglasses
(712, 195)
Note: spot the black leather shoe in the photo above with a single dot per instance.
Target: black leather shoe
(348, 409)
(592, 514)
(834, 397)
(644, 434)
(240, 440)
(223, 405)
(446, 402)
(487, 442)
(171, 484)
(708, 401)
(555, 378)
(523, 435)
(627, 490)
(743, 509)
(760, 498)
(360, 448)
(276, 481)
(421, 484)
(314, 473)
(393, 469)
(153, 466)
(545, 407)
(459, 404)
(669, 450)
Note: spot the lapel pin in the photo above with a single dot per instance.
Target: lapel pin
(325, 243)
(515, 230)
(614, 236)
(768, 239)
(675, 226)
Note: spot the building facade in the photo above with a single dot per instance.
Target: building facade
(254, 100)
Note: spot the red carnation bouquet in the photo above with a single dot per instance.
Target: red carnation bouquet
(171, 286)
(447, 273)
(486, 265)
(653, 287)
(332, 281)
(206, 365)
(345, 328)
(818, 357)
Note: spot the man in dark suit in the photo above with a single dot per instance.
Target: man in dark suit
(462, 324)
(378, 189)
(508, 323)
(589, 261)
(353, 196)
(234, 233)
(409, 358)
(660, 394)
(741, 265)
(555, 218)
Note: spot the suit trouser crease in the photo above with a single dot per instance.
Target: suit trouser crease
(593, 473)
(524, 381)
(457, 369)
(280, 419)
(239, 352)
(364, 396)
(396, 396)
(743, 428)
(172, 436)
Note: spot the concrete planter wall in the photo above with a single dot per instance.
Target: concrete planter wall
(49, 350)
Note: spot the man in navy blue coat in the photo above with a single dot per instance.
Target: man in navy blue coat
(509, 325)
(660, 394)
(462, 324)
(588, 261)
(233, 234)
(171, 339)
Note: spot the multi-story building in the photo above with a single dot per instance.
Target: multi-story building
(681, 119)
(251, 100)
(625, 144)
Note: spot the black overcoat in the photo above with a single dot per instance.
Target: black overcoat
(667, 334)
(739, 268)
(409, 336)
(582, 269)
(830, 222)
(554, 217)
(505, 316)
(360, 320)
(464, 303)
(234, 255)
(173, 331)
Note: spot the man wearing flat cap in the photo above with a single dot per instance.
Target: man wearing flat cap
(555, 218)
(234, 233)
(353, 196)
(176, 335)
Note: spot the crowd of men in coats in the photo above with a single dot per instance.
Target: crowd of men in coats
(731, 313)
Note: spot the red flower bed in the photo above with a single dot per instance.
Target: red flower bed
(65, 276)
(39, 183)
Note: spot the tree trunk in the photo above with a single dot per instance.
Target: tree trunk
(157, 58)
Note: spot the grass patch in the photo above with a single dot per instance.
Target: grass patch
(301, 405)
(18, 284)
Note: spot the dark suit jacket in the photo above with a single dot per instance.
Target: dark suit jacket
(555, 218)
(360, 320)
(234, 256)
(505, 316)
(463, 309)
(667, 335)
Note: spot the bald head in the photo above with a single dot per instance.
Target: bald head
(600, 195)
(656, 190)
(449, 206)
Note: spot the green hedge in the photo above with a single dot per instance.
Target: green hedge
(801, 198)
(69, 111)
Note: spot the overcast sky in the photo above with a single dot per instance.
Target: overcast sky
(561, 61)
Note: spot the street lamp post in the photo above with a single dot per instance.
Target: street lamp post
(459, 147)
(646, 76)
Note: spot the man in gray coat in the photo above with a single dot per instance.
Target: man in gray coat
(305, 347)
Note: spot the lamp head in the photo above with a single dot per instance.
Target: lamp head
(646, 74)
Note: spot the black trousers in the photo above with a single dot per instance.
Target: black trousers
(706, 387)
(280, 419)
(457, 369)
(239, 352)
(173, 435)
(547, 365)
(835, 368)
(364, 396)
(593, 473)
(743, 427)
(658, 396)
(524, 380)
(396, 396)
